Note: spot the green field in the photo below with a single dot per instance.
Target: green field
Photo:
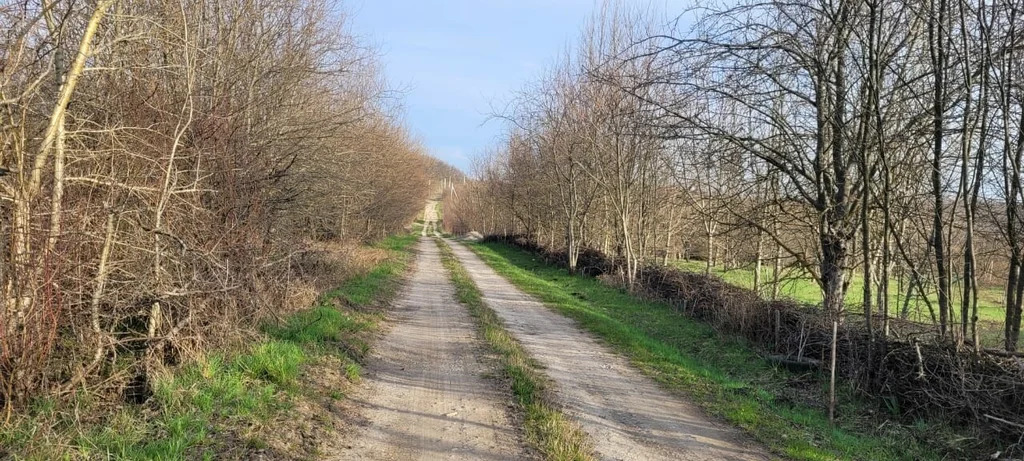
(804, 289)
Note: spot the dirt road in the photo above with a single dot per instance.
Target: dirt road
(430, 219)
(425, 395)
(627, 415)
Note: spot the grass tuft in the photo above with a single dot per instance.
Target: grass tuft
(547, 429)
(277, 362)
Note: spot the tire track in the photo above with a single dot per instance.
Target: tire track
(425, 395)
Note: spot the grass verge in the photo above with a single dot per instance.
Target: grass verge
(220, 406)
(547, 429)
(722, 373)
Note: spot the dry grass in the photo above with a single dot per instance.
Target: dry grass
(325, 266)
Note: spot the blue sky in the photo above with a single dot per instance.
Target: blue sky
(459, 60)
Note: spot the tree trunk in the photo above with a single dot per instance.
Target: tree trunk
(1013, 303)
(937, 36)
(759, 249)
(833, 261)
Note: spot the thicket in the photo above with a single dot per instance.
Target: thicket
(173, 173)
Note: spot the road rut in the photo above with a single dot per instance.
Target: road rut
(424, 395)
(626, 414)
(430, 219)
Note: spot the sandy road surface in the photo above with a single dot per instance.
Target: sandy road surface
(425, 396)
(627, 415)
(430, 218)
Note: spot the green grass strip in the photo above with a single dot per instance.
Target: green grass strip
(547, 429)
(718, 371)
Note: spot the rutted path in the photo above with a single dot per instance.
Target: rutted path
(430, 219)
(627, 415)
(425, 395)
